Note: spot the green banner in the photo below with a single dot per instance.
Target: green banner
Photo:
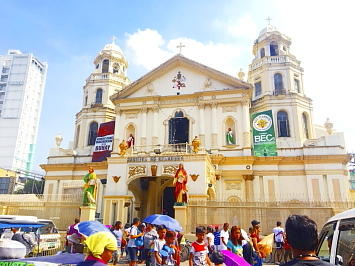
(264, 142)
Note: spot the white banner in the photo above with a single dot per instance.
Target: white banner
(104, 143)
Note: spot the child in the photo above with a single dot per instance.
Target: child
(199, 250)
(236, 241)
(169, 251)
(159, 244)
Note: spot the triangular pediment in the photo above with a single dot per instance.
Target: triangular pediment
(195, 78)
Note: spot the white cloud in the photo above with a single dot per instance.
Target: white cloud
(239, 27)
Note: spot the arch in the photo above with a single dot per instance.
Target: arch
(105, 65)
(77, 136)
(278, 84)
(283, 127)
(98, 97)
(262, 52)
(274, 49)
(305, 124)
(179, 126)
(233, 199)
(93, 128)
(229, 131)
(130, 133)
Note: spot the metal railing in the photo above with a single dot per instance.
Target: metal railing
(273, 60)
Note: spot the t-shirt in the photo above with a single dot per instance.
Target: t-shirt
(149, 238)
(199, 252)
(297, 262)
(217, 238)
(236, 249)
(168, 256)
(278, 232)
(133, 232)
(118, 236)
(211, 236)
(225, 235)
(158, 246)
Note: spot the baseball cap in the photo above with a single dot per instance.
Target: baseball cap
(254, 222)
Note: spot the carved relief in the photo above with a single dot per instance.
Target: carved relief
(136, 170)
(226, 109)
(170, 169)
(131, 115)
(235, 185)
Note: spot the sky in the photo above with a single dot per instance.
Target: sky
(68, 34)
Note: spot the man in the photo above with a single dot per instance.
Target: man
(117, 232)
(224, 237)
(131, 246)
(302, 235)
(23, 238)
(279, 240)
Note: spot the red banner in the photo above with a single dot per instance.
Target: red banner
(104, 142)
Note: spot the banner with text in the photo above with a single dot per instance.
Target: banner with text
(104, 142)
(264, 141)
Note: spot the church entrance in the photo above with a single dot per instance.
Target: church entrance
(178, 129)
(168, 201)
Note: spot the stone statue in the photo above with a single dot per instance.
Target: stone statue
(89, 189)
(180, 182)
(195, 144)
(130, 141)
(229, 137)
(123, 147)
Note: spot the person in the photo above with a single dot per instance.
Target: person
(141, 228)
(217, 258)
(23, 238)
(210, 239)
(217, 238)
(302, 236)
(169, 251)
(158, 244)
(101, 246)
(199, 250)
(180, 182)
(288, 251)
(73, 237)
(89, 191)
(131, 246)
(279, 240)
(117, 232)
(150, 235)
(255, 239)
(236, 242)
(224, 236)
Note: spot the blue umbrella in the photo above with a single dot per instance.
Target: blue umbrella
(89, 228)
(167, 221)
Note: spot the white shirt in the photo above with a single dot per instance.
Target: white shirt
(132, 232)
(278, 232)
(158, 246)
(225, 236)
(211, 239)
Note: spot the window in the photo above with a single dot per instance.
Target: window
(274, 49)
(262, 52)
(105, 65)
(5, 70)
(346, 242)
(98, 98)
(282, 124)
(278, 84)
(305, 125)
(97, 66)
(92, 133)
(257, 88)
(86, 100)
(2, 87)
(4, 78)
(77, 136)
(326, 238)
(297, 85)
(116, 68)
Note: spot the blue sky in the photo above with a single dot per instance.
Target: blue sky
(69, 34)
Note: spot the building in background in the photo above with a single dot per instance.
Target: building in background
(22, 83)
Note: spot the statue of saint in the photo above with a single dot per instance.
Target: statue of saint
(180, 182)
(229, 137)
(130, 141)
(89, 189)
(123, 147)
(195, 144)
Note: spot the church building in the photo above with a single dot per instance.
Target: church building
(160, 115)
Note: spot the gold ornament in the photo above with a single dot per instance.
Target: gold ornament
(194, 177)
(116, 178)
(195, 144)
(123, 148)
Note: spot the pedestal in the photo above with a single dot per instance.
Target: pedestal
(181, 217)
(87, 213)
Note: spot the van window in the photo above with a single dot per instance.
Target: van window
(346, 242)
(49, 228)
(325, 240)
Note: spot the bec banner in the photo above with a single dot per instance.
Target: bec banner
(104, 142)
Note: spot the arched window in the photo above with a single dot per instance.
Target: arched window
(283, 124)
(92, 133)
(105, 65)
(98, 98)
(86, 101)
(178, 129)
(274, 49)
(305, 125)
(262, 52)
(77, 137)
(179, 114)
(278, 84)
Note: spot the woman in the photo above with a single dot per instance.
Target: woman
(101, 245)
(236, 242)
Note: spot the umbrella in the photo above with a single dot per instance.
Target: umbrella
(89, 228)
(231, 259)
(167, 221)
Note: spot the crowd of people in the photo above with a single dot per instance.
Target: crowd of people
(156, 245)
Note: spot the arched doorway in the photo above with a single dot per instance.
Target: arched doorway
(178, 129)
(168, 201)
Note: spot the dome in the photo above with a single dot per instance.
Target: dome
(268, 28)
(112, 47)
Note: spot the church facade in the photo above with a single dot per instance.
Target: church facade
(160, 115)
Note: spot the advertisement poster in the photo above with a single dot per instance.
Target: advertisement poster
(264, 141)
(104, 142)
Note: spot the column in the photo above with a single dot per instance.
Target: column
(155, 137)
(116, 138)
(214, 125)
(202, 124)
(144, 126)
(249, 193)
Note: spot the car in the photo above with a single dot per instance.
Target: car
(337, 239)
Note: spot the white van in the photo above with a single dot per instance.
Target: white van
(337, 239)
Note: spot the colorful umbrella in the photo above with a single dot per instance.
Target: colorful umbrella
(167, 221)
(231, 259)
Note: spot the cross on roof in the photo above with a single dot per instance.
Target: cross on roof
(180, 46)
(268, 19)
(114, 39)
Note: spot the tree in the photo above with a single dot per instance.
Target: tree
(32, 187)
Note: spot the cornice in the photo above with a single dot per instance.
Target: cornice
(74, 167)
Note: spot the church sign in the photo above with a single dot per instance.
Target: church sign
(264, 141)
(104, 142)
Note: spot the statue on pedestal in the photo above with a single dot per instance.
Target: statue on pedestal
(229, 137)
(196, 144)
(180, 182)
(123, 147)
(130, 141)
(90, 188)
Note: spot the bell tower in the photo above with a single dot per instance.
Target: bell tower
(108, 77)
(277, 77)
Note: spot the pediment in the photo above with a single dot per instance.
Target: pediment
(179, 71)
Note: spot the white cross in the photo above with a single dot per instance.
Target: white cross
(180, 46)
(114, 39)
(268, 19)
